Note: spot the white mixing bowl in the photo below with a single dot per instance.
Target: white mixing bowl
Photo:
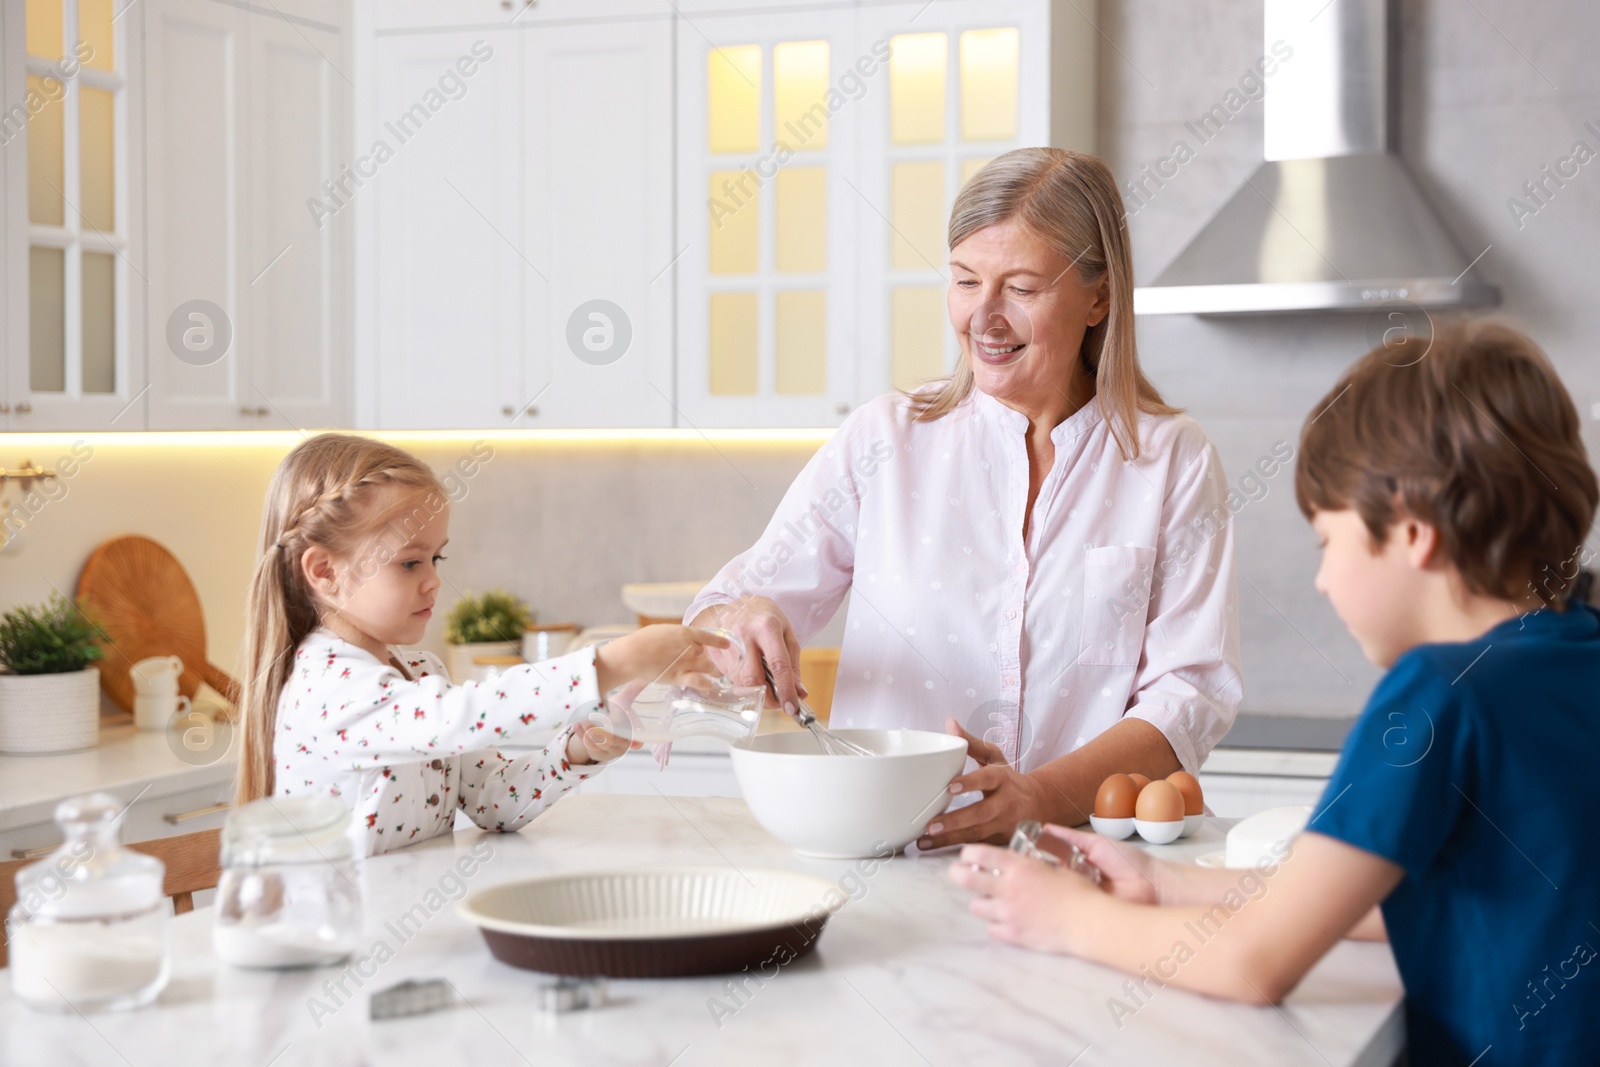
(844, 807)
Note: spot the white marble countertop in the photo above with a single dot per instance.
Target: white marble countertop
(125, 760)
(902, 975)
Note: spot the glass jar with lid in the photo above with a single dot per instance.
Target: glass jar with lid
(89, 929)
(290, 894)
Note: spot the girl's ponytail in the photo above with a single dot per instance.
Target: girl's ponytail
(269, 643)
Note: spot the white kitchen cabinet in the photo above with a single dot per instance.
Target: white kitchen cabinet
(70, 185)
(498, 14)
(155, 814)
(448, 255)
(768, 216)
(686, 775)
(247, 120)
(975, 83)
(543, 189)
(1238, 782)
(917, 98)
(597, 188)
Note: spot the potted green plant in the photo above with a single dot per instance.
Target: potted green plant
(490, 624)
(50, 690)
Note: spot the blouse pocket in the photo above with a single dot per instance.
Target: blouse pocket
(1116, 602)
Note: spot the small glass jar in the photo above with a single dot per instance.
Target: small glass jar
(290, 894)
(89, 929)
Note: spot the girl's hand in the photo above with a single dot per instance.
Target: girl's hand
(768, 638)
(667, 653)
(589, 743)
(1025, 901)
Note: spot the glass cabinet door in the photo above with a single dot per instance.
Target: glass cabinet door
(967, 82)
(767, 132)
(819, 153)
(74, 286)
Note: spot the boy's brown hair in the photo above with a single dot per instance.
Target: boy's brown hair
(1471, 431)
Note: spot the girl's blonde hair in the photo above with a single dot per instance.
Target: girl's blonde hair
(1070, 200)
(322, 494)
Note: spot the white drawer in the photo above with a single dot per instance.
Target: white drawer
(687, 775)
(148, 818)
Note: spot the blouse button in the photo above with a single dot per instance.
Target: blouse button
(437, 764)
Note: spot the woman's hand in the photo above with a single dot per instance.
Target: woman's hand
(1009, 796)
(669, 653)
(1025, 901)
(764, 628)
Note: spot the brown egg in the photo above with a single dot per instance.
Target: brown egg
(1139, 780)
(1116, 798)
(1159, 802)
(1194, 802)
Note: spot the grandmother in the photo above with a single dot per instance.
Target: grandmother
(1036, 549)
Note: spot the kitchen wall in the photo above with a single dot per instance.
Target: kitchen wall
(1491, 91)
(565, 524)
(562, 524)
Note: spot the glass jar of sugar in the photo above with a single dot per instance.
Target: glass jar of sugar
(89, 929)
(290, 894)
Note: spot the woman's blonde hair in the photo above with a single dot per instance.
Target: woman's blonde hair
(1069, 200)
(322, 494)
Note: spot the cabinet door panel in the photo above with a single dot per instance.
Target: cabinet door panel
(294, 332)
(195, 58)
(971, 83)
(768, 109)
(450, 261)
(598, 198)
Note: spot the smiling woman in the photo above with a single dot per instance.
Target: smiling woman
(1014, 537)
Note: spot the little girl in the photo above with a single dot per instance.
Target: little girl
(348, 567)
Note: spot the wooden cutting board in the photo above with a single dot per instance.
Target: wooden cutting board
(142, 598)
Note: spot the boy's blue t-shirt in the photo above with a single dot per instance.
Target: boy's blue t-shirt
(1476, 768)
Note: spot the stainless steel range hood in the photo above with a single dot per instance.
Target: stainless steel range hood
(1332, 220)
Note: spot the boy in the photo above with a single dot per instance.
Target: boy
(1452, 495)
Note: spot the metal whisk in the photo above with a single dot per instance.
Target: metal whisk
(832, 744)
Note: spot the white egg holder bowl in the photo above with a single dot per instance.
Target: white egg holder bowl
(1157, 833)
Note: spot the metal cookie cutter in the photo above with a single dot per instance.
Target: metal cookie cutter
(1025, 838)
(573, 994)
(412, 998)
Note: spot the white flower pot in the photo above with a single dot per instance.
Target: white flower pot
(49, 712)
(458, 658)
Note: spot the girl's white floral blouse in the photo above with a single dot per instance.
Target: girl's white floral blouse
(406, 753)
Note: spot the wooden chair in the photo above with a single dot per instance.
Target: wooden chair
(194, 862)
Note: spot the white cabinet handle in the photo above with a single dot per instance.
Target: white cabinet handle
(196, 813)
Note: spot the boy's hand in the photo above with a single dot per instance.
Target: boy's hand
(589, 743)
(1025, 901)
(1127, 872)
(667, 653)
